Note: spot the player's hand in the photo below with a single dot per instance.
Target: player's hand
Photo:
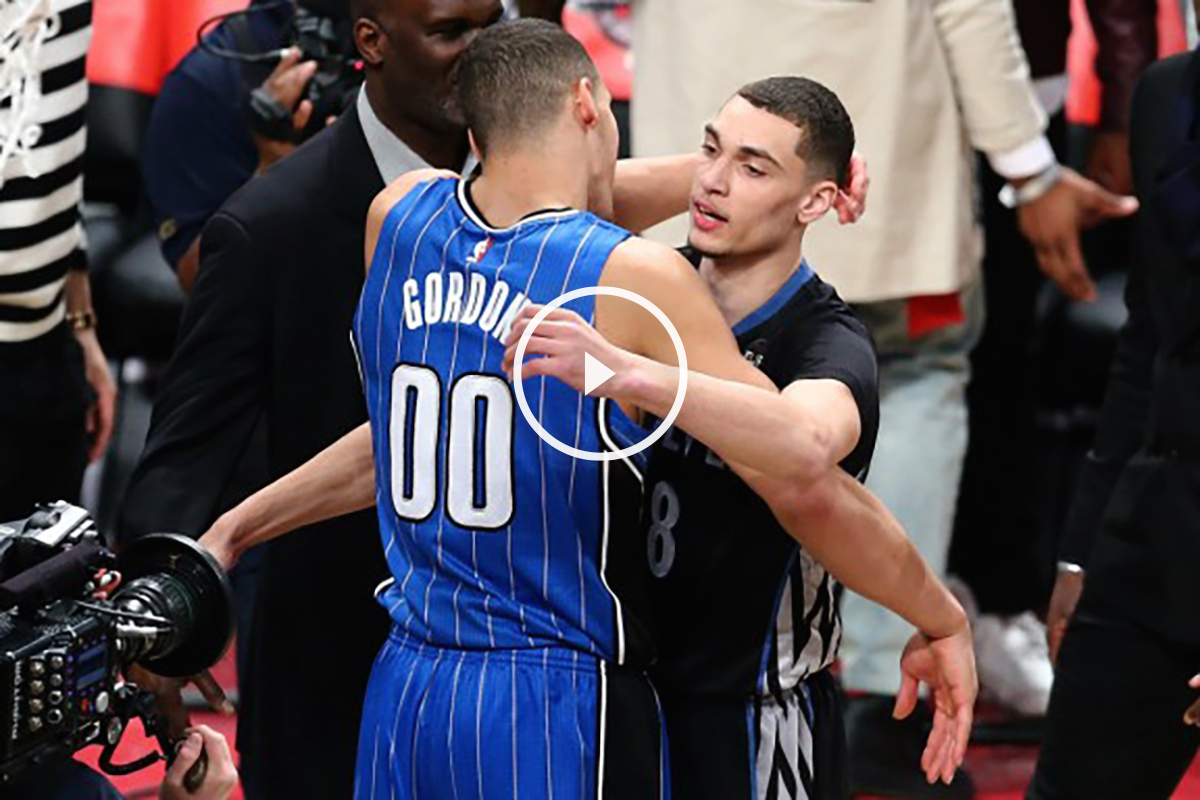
(851, 202)
(286, 84)
(220, 778)
(1053, 222)
(169, 696)
(557, 347)
(102, 411)
(947, 666)
(1068, 588)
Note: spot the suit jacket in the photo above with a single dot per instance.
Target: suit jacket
(266, 333)
(1135, 518)
(924, 82)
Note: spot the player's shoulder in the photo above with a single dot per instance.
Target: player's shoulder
(637, 261)
(398, 189)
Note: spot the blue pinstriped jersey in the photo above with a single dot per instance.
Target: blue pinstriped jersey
(494, 538)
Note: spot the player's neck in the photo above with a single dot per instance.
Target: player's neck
(514, 186)
(740, 285)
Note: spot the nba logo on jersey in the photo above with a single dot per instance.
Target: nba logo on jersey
(480, 251)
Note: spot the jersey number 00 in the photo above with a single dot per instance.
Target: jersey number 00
(479, 469)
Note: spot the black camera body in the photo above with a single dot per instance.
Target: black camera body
(62, 652)
(322, 32)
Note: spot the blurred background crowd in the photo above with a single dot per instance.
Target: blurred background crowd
(995, 325)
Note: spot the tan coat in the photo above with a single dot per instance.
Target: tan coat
(924, 81)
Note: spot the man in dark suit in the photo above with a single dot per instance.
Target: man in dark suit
(266, 334)
(1116, 721)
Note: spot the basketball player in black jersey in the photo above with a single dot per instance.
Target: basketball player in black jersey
(747, 620)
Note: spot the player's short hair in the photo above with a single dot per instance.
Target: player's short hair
(826, 132)
(513, 78)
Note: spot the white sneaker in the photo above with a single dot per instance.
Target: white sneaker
(1014, 662)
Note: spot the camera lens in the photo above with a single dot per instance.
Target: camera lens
(184, 603)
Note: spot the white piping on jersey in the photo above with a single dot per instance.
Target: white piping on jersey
(600, 745)
(513, 694)
(605, 468)
(541, 452)
(384, 585)
(606, 435)
(437, 564)
(450, 728)
(468, 209)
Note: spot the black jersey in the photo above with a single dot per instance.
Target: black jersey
(740, 609)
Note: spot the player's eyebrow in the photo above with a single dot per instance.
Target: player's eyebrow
(744, 150)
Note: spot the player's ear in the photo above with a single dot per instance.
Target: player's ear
(816, 202)
(370, 40)
(583, 100)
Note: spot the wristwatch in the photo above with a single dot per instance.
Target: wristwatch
(1032, 189)
(81, 320)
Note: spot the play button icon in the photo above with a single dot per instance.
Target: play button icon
(594, 373)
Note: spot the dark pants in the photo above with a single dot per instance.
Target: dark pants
(41, 460)
(1115, 727)
(995, 543)
(43, 436)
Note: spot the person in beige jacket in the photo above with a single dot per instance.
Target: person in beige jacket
(926, 82)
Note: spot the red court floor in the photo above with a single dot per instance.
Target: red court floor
(1001, 772)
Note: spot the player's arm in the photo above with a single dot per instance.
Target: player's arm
(730, 406)
(854, 536)
(648, 191)
(338, 480)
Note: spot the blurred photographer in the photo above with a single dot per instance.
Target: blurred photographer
(205, 140)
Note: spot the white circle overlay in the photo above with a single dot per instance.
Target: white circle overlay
(519, 389)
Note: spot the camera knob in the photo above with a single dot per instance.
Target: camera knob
(56, 662)
(55, 698)
(56, 680)
(36, 706)
(102, 701)
(35, 724)
(55, 716)
(37, 668)
(36, 687)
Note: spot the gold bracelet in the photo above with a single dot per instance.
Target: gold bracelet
(82, 320)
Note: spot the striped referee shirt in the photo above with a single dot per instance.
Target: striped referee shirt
(43, 98)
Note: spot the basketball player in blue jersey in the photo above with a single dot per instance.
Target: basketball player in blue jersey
(517, 663)
(746, 620)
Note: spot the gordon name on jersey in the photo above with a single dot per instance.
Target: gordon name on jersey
(455, 297)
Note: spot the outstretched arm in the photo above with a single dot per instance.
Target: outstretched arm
(729, 405)
(338, 480)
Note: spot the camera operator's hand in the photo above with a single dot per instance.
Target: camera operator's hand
(169, 694)
(221, 777)
(286, 84)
